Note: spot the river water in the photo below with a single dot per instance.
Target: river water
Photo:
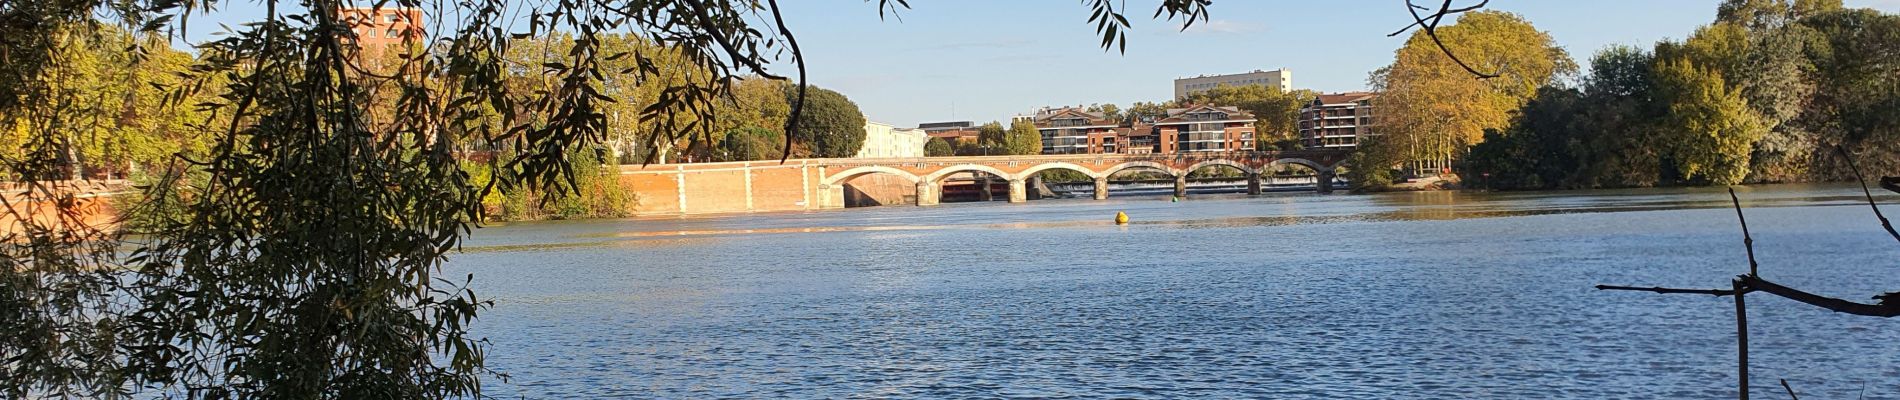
(1400, 295)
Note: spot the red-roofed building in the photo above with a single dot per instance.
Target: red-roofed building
(1337, 121)
(1073, 130)
(1205, 128)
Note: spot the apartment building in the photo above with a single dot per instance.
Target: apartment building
(1337, 121)
(1204, 128)
(1073, 130)
(1279, 78)
(953, 131)
(882, 140)
(380, 29)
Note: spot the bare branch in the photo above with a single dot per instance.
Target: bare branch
(1885, 309)
(1431, 29)
(1664, 290)
(1888, 183)
(1747, 240)
(1741, 337)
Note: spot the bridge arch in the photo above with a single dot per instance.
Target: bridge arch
(1309, 164)
(847, 175)
(946, 171)
(1163, 168)
(1242, 167)
(1032, 171)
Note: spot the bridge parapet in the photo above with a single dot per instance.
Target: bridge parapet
(819, 183)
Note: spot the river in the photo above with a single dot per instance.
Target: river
(1397, 295)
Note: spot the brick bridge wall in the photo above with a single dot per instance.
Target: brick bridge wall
(810, 184)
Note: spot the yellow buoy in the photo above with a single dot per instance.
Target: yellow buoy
(1121, 218)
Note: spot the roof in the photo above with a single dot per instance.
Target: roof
(1094, 118)
(1343, 98)
(942, 125)
(1138, 129)
(1179, 115)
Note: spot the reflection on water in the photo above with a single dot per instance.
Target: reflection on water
(1422, 295)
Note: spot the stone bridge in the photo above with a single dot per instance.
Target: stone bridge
(819, 183)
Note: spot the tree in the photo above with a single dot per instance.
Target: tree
(937, 147)
(992, 139)
(830, 124)
(1620, 113)
(1431, 109)
(751, 143)
(1110, 111)
(1539, 150)
(1711, 130)
(1022, 139)
(1146, 111)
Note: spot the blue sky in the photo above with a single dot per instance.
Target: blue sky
(989, 59)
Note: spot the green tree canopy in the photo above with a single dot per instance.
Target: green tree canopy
(1022, 139)
(937, 147)
(830, 125)
(992, 138)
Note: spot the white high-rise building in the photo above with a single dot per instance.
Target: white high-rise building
(1280, 78)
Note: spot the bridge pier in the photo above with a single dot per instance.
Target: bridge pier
(1253, 184)
(927, 193)
(1325, 180)
(1018, 191)
(1101, 188)
(1180, 185)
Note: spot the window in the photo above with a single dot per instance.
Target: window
(391, 33)
(389, 18)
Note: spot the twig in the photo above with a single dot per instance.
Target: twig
(1741, 336)
(1664, 290)
(1747, 240)
(1887, 183)
(1431, 30)
(1784, 385)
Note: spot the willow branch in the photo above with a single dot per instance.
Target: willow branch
(798, 58)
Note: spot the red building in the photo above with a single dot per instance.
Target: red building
(1072, 130)
(1337, 121)
(1205, 129)
(379, 29)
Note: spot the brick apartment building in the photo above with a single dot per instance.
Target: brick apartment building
(380, 29)
(1337, 121)
(1072, 130)
(1204, 128)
